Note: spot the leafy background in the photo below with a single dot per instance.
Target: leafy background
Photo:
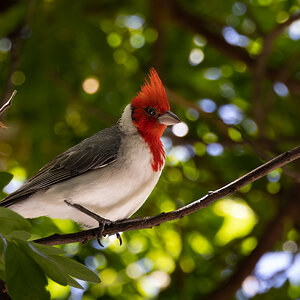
(231, 70)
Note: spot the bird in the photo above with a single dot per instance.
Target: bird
(108, 176)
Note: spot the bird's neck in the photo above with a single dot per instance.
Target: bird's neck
(152, 138)
(156, 149)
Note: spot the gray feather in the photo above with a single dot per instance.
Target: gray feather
(92, 153)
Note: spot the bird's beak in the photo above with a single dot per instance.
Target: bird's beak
(168, 118)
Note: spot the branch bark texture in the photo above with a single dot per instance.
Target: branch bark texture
(149, 222)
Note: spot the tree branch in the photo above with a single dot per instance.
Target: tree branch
(8, 103)
(149, 222)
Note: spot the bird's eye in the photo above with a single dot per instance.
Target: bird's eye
(151, 111)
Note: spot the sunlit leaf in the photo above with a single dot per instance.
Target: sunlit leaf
(76, 269)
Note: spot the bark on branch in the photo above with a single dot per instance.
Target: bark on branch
(149, 222)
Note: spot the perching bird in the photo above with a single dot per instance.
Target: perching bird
(111, 173)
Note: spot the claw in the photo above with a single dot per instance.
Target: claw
(99, 242)
(102, 221)
(100, 233)
(119, 238)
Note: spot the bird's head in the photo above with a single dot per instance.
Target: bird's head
(151, 110)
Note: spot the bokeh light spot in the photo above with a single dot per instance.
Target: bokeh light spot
(56, 290)
(248, 245)
(18, 179)
(108, 276)
(114, 40)
(192, 114)
(200, 244)
(207, 105)
(250, 286)
(91, 85)
(18, 78)
(200, 149)
(273, 187)
(134, 22)
(235, 135)
(137, 41)
(294, 30)
(232, 37)
(239, 8)
(120, 56)
(213, 74)
(273, 176)
(227, 91)
(210, 137)
(135, 270)
(239, 219)
(248, 26)
(187, 264)
(290, 246)
(230, 114)
(280, 89)
(199, 40)
(214, 149)
(5, 45)
(250, 126)
(180, 129)
(179, 154)
(196, 57)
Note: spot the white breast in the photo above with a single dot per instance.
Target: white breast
(114, 192)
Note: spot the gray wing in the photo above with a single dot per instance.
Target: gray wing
(92, 153)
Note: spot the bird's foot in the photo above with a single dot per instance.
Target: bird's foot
(101, 221)
(119, 238)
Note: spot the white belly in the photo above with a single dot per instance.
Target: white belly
(114, 192)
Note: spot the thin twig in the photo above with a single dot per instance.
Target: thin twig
(149, 222)
(8, 103)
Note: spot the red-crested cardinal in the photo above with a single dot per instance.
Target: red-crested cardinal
(111, 173)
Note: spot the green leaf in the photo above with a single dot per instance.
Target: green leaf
(48, 250)
(76, 269)
(24, 277)
(49, 266)
(19, 234)
(5, 178)
(11, 221)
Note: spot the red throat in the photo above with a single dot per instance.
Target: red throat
(156, 148)
(152, 94)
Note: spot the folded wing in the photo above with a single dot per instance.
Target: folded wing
(95, 152)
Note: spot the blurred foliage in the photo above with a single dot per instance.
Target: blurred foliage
(76, 64)
(24, 264)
